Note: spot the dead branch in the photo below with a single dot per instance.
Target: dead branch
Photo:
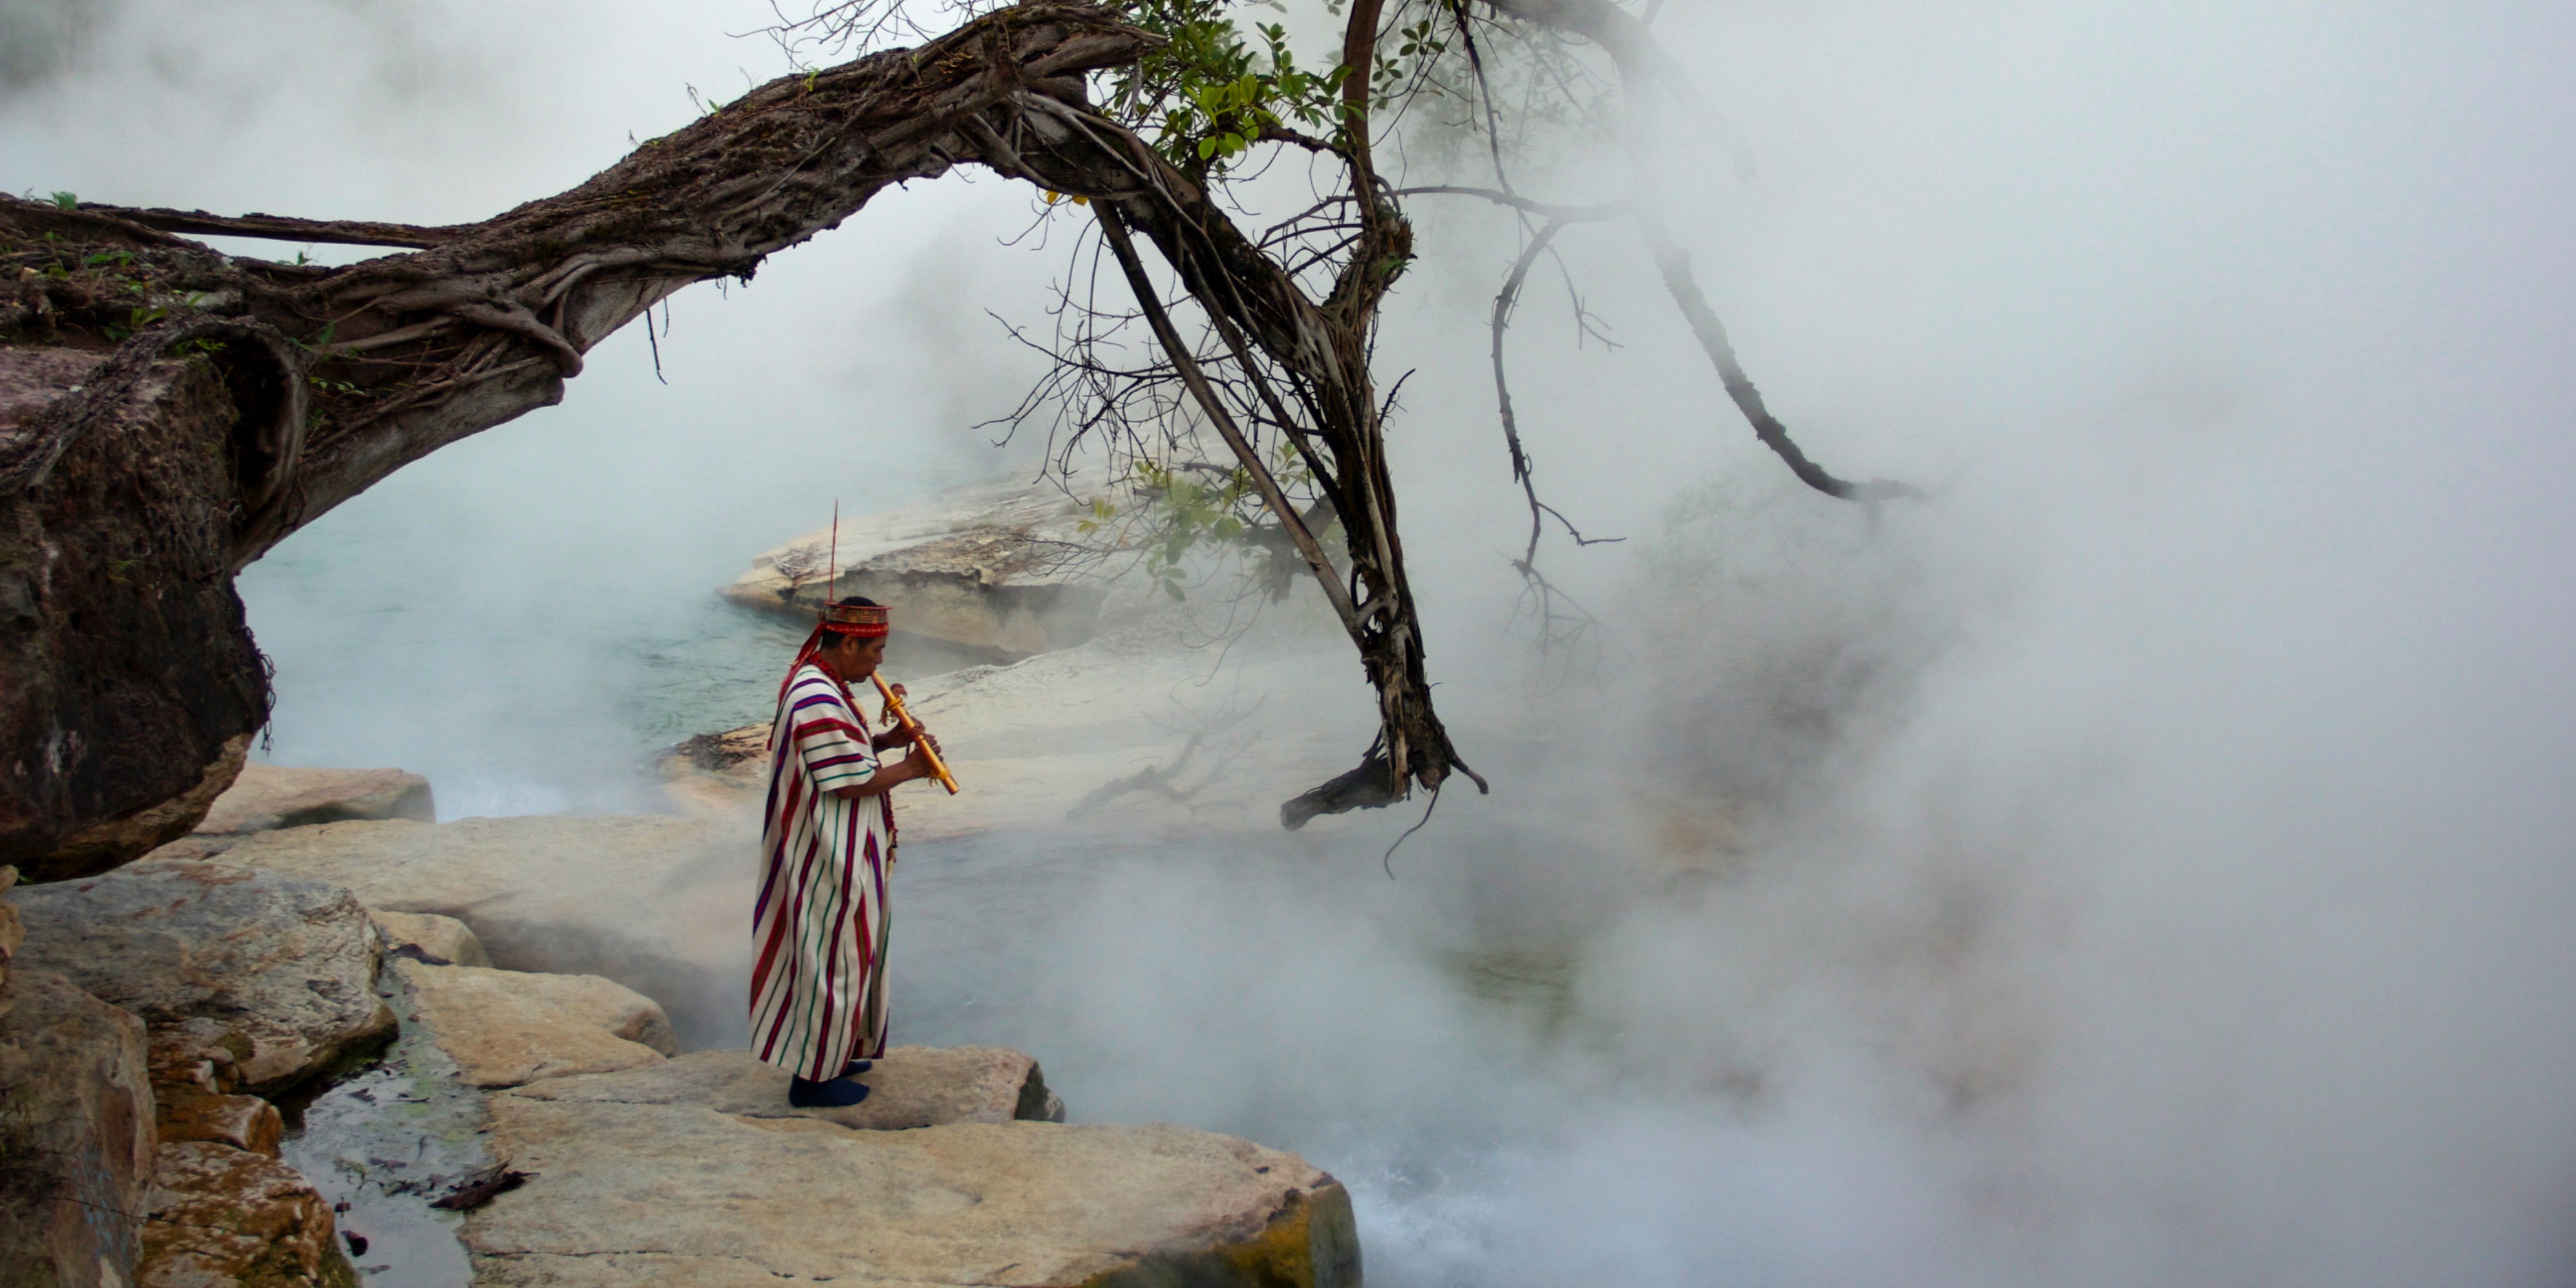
(342, 232)
(1674, 264)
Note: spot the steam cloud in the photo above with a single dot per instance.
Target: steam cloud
(2149, 863)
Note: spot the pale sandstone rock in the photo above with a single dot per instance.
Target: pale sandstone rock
(223, 1216)
(504, 1028)
(278, 974)
(267, 797)
(910, 1087)
(657, 904)
(76, 1134)
(993, 569)
(721, 1200)
(440, 941)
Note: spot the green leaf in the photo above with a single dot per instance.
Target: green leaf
(67, 201)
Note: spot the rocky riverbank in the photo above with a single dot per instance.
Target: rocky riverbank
(289, 1051)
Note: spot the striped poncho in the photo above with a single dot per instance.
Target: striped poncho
(818, 983)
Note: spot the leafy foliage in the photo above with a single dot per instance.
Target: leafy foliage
(1208, 94)
(1197, 510)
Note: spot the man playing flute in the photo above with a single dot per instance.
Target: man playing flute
(818, 981)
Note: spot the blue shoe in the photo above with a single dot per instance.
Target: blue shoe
(858, 1067)
(839, 1093)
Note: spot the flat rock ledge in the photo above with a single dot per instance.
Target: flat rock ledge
(910, 1087)
(693, 1170)
(265, 798)
(504, 1027)
(627, 898)
(642, 1194)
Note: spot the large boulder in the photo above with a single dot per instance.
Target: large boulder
(657, 904)
(267, 797)
(910, 1087)
(993, 571)
(76, 1140)
(222, 1216)
(504, 1028)
(274, 976)
(129, 682)
(628, 1195)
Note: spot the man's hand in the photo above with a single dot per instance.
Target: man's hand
(912, 768)
(915, 767)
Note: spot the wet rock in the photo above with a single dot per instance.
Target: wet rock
(910, 1087)
(656, 904)
(242, 1122)
(267, 797)
(995, 569)
(721, 1200)
(76, 1141)
(226, 963)
(504, 1028)
(225, 1216)
(428, 937)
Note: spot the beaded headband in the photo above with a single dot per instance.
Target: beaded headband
(867, 621)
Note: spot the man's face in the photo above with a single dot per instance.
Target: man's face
(857, 659)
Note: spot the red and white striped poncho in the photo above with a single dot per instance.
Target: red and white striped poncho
(818, 980)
